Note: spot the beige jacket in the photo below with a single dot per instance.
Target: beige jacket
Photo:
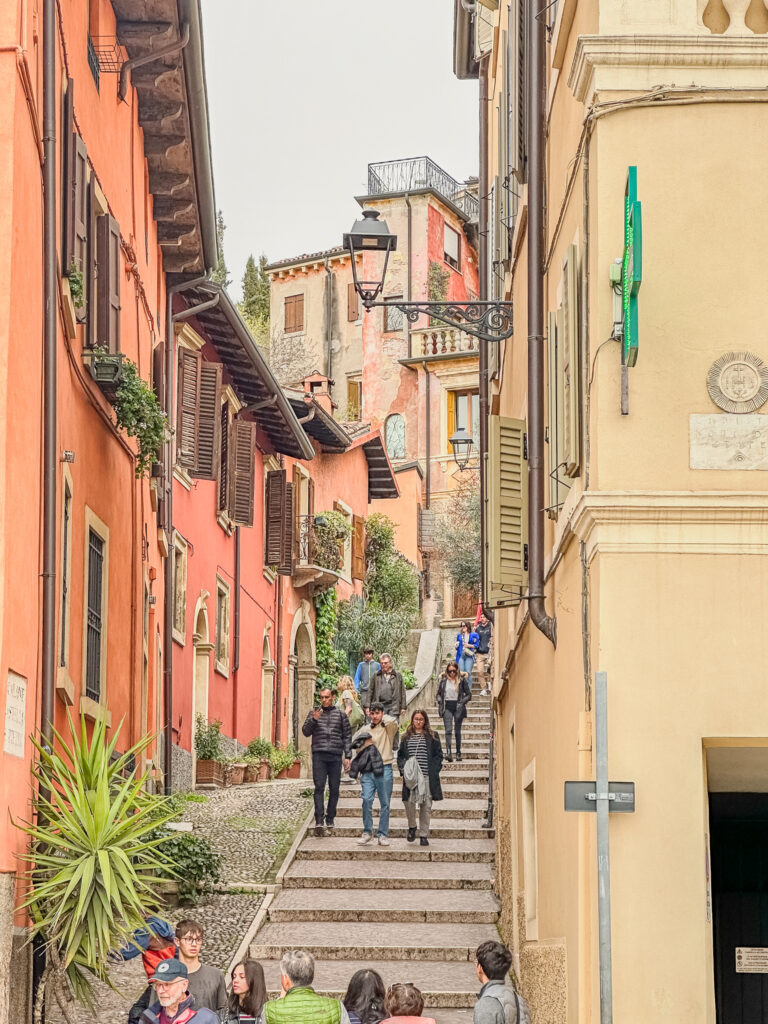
(383, 736)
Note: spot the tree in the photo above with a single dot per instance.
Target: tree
(457, 529)
(255, 289)
(220, 274)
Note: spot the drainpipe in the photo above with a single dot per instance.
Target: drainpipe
(482, 287)
(236, 652)
(536, 127)
(136, 62)
(277, 692)
(328, 314)
(170, 350)
(409, 326)
(50, 375)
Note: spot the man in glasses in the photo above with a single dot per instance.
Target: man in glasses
(206, 984)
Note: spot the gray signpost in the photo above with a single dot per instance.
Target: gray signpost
(603, 797)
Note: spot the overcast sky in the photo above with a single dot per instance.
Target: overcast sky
(304, 94)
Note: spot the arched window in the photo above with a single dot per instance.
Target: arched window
(394, 436)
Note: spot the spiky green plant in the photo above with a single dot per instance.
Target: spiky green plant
(94, 869)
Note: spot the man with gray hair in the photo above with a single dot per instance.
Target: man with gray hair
(387, 688)
(300, 1003)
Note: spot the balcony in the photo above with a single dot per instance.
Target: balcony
(442, 341)
(319, 559)
(395, 176)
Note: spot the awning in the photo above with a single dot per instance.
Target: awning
(320, 424)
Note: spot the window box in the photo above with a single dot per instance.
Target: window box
(107, 370)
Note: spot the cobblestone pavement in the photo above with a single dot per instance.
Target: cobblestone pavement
(252, 827)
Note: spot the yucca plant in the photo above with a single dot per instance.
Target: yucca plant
(94, 867)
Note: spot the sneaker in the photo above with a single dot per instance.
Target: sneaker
(423, 841)
(449, 757)
(366, 837)
(328, 828)
(411, 835)
(383, 841)
(320, 832)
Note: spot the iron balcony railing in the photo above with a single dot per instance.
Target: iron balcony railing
(317, 547)
(393, 176)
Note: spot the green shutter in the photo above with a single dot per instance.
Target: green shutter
(507, 512)
(569, 356)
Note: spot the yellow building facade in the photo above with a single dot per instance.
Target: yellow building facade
(655, 513)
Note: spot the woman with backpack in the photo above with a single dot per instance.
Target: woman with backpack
(453, 695)
(419, 760)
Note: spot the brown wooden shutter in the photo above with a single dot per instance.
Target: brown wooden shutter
(297, 510)
(358, 548)
(92, 274)
(187, 407)
(243, 458)
(206, 465)
(294, 314)
(285, 568)
(108, 243)
(158, 373)
(225, 469)
(274, 514)
(353, 303)
(67, 177)
(80, 253)
(507, 524)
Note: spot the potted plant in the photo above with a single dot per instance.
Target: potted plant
(259, 753)
(236, 770)
(286, 762)
(209, 770)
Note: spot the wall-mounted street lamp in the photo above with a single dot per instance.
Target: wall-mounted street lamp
(487, 320)
(462, 445)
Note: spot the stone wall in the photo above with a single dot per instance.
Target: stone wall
(15, 960)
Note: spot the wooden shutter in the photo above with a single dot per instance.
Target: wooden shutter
(242, 463)
(187, 407)
(294, 314)
(296, 492)
(158, 373)
(358, 548)
(451, 398)
(208, 445)
(224, 503)
(558, 489)
(507, 512)
(285, 568)
(569, 356)
(67, 177)
(353, 303)
(108, 248)
(274, 515)
(80, 251)
(516, 38)
(92, 273)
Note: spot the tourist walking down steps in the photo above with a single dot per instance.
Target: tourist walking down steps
(249, 994)
(331, 736)
(453, 695)
(420, 749)
(467, 641)
(388, 689)
(301, 1004)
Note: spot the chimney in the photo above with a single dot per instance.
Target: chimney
(318, 386)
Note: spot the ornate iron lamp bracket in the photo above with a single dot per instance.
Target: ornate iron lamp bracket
(487, 320)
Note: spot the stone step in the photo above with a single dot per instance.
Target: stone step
(358, 941)
(455, 905)
(349, 806)
(473, 851)
(443, 828)
(443, 985)
(376, 873)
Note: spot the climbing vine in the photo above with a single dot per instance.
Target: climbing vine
(326, 655)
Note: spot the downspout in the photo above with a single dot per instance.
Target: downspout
(136, 62)
(482, 268)
(328, 314)
(278, 684)
(409, 326)
(236, 641)
(536, 128)
(170, 350)
(50, 376)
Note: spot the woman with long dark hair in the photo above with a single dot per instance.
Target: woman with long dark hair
(467, 641)
(249, 994)
(453, 695)
(364, 1001)
(421, 745)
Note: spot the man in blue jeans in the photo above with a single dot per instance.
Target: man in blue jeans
(383, 729)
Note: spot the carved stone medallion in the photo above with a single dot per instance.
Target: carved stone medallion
(738, 382)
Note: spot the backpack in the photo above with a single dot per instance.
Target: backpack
(523, 1009)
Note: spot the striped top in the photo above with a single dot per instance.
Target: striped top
(417, 747)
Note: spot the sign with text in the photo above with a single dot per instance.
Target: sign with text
(631, 267)
(751, 960)
(15, 715)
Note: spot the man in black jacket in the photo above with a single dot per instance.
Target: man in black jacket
(331, 737)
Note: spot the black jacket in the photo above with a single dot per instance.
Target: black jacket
(398, 701)
(331, 733)
(367, 760)
(465, 696)
(434, 764)
(484, 632)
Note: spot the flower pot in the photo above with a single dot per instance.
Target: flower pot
(282, 774)
(264, 770)
(236, 774)
(209, 773)
(294, 772)
(251, 773)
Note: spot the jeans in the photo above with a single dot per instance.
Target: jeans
(326, 767)
(373, 786)
(425, 813)
(466, 661)
(452, 723)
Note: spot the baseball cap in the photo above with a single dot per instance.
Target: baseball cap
(360, 737)
(170, 970)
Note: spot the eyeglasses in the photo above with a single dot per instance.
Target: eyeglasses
(451, 671)
(192, 939)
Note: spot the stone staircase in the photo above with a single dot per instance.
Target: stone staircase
(412, 913)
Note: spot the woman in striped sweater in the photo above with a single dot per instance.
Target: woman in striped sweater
(420, 742)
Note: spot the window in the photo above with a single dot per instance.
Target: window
(464, 411)
(451, 247)
(507, 512)
(179, 590)
(66, 547)
(222, 627)
(394, 436)
(198, 415)
(294, 314)
(393, 318)
(346, 547)
(94, 616)
(530, 854)
(354, 400)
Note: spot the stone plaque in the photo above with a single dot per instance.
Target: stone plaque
(738, 382)
(15, 715)
(728, 442)
(751, 960)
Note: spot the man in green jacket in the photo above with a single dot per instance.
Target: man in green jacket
(301, 1004)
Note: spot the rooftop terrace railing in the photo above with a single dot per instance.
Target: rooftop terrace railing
(393, 176)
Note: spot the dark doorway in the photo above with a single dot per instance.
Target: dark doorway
(739, 851)
(295, 695)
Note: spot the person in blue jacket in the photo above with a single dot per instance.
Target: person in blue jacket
(467, 641)
(366, 670)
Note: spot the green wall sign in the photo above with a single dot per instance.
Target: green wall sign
(632, 267)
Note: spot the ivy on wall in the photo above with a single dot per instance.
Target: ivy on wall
(326, 655)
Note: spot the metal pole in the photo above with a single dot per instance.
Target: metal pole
(603, 849)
